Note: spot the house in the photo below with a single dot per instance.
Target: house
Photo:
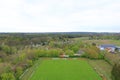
(118, 48)
(108, 47)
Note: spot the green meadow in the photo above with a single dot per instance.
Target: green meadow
(64, 69)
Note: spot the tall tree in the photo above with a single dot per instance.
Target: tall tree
(116, 71)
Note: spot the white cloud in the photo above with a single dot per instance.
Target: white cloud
(59, 15)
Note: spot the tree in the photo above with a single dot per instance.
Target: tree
(7, 76)
(22, 57)
(54, 52)
(6, 49)
(69, 52)
(92, 52)
(2, 55)
(116, 71)
(19, 71)
(75, 48)
(30, 62)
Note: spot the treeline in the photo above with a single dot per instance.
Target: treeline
(103, 36)
(20, 39)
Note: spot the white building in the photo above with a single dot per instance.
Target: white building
(108, 47)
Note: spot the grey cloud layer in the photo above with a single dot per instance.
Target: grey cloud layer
(59, 15)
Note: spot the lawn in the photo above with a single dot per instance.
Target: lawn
(60, 69)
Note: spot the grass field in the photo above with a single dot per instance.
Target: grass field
(101, 67)
(64, 70)
(99, 42)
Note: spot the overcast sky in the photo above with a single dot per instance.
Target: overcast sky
(59, 15)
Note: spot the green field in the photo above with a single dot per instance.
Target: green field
(64, 70)
(102, 67)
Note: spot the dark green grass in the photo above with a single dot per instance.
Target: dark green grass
(64, 70)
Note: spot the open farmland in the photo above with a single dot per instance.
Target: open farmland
(60, 69)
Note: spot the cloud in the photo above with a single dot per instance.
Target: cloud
(59, 15)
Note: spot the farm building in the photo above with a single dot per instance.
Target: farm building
(118, 48)
(108, 47)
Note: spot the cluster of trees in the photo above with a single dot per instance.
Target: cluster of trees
(92, 52)
(114, 61)
(116, 71)
(13, 65)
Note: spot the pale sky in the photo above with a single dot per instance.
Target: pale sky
(59, 15)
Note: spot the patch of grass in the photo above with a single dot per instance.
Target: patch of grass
(101, 67)
(60, 69)
(99, 42)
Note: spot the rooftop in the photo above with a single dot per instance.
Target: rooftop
(107, 45)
